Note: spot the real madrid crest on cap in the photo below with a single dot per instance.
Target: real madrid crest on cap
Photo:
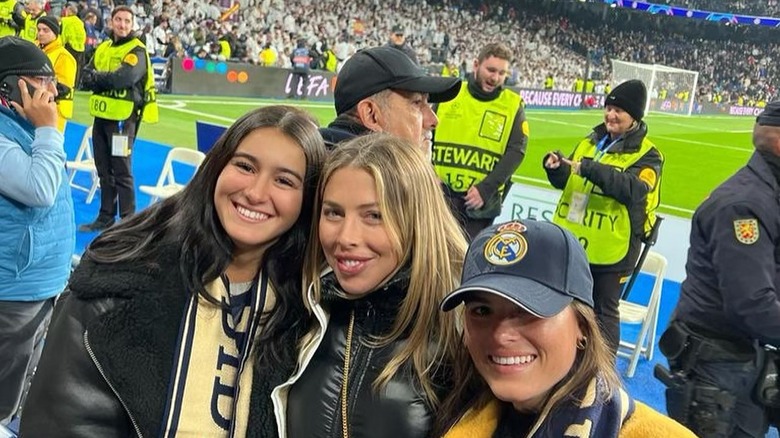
(507, 246)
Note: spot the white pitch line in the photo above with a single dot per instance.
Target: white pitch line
(557, 122)
(699, 143)
(543, 182)
(250, 103)
(702, 143)
(172, 104)
(198, 113)
(706, 129)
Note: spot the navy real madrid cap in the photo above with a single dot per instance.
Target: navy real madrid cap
(370, 71)
(537, 265)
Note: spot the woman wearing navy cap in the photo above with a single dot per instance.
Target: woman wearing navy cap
(534, 363)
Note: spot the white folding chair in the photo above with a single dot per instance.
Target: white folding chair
(646, 315)
(84, 162)
(167, 185)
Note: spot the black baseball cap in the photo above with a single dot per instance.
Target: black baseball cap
(370, 71)
(771, 115)
(535, 264)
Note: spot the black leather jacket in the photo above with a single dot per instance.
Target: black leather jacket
(106, 368)
(315, 404)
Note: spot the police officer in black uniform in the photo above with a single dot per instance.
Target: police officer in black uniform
(398, 41)
(729, 306)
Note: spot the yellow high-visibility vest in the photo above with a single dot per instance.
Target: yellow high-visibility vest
(605, 231)
(119, 104)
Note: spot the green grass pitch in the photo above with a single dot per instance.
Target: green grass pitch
(700, 151)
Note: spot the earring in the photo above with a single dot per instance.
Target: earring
(582, 343)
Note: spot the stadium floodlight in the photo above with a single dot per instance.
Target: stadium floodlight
(670, 90)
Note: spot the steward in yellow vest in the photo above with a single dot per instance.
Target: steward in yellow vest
(549, 82)
(268, 57)
(121, 79)
(30, 29)
(64, 67)
(74, 34)
(480, 140)
(589, 86)
(330, 60)
(611, 189)
(7, 24)
(225, 49)
(579, 85)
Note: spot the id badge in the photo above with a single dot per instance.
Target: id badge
(120, 145)
(579, 202)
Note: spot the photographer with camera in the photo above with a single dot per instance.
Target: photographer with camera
(722, 374)
(36, 214)
(65, 66)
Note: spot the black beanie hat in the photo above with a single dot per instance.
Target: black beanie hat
(23, 58)
(631, 97)
(51, 23)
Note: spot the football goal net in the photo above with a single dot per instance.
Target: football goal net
(669, 90)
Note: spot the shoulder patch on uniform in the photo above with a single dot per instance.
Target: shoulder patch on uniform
(526, 131)
(131, 59)
(649, 176)
(746, 230)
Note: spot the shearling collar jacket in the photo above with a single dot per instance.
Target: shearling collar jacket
(106, 368)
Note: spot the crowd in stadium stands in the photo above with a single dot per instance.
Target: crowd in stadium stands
(760, 8)
(548, 37)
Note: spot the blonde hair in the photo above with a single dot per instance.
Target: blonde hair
(426, 238)
(596, 359)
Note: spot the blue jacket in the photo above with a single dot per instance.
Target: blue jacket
(36, 211)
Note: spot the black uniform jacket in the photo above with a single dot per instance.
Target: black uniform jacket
(340, 130)
(107, 361)
(315, 401)
(734, 259)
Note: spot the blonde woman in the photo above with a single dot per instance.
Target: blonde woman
(533, 361)
(383, 255)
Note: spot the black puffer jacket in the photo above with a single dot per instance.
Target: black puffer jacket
(315, 403)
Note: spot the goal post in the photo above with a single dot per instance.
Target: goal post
(670, 90)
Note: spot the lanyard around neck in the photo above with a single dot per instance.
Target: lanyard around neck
(602, 149)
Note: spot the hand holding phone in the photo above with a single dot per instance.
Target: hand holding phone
(37, 106)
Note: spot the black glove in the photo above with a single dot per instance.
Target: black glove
(88, 78)
(63, 91)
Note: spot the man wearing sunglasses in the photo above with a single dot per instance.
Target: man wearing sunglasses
(36, 214)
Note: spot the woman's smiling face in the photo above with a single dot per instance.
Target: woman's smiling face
(520, 356)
